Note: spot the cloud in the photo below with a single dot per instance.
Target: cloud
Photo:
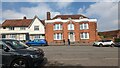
(107, 13)
(59, 0)
(9, 14)
(81, 10)
(53, 14)
(63, 4)
(40, 10)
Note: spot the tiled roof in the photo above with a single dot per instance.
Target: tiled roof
(111, 33)
(69, 16)
(20, 22)
(17, 23)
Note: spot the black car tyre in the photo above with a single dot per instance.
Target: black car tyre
(19, 63)
(112, 45)
(100, 45)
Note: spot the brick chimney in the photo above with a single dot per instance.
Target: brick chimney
(24, 17)
(48, 16)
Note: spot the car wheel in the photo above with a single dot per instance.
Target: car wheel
(19, 63)
(100, 45)
(112, 45)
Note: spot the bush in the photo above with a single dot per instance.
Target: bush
(117, 40)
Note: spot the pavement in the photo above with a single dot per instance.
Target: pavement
(80, 56)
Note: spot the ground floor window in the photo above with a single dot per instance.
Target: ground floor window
(84, 35)
(58, 36)
(13, 36)
(37, 37)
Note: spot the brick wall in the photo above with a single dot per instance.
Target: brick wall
(50, 32)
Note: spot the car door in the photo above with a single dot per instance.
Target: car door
(6, 56)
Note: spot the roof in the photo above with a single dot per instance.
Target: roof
(69, 16)
(109, 33)
(19, 22)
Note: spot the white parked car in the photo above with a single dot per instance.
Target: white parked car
(104, 43)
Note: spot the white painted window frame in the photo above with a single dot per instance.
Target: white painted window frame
(57, 26)
(84, 35)
(58, 36)
(70, 26)
(84, 26)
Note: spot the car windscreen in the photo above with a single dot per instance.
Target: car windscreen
(15, 44)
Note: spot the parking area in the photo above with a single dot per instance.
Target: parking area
(80, 55)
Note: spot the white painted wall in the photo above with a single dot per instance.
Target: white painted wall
(36, 22)
(30, 30)
(75, 20)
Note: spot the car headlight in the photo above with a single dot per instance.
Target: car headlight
(34, 56)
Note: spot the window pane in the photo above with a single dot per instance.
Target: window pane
(57, 27)
(22, 28)
(85, 35)
(36, 27)
(58, 36)
(11, 28)
(37, 36)
(71, 27)
(85, 26)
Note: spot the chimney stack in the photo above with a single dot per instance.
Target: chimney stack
(24, 17)
(48, 16)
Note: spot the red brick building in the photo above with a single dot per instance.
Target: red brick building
(110, 34)
(77, 28)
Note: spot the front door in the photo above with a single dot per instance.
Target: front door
(71, 36)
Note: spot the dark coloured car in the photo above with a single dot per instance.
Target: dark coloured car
(37, 42)
(16, 54)
(117, 44)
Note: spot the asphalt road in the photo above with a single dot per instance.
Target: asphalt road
(81, 56)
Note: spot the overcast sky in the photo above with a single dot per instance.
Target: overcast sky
(105, 12)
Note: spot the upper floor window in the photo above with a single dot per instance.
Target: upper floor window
(58, 36)
(11, 28)
(84, 35)
(58, 27)
(84, 26)
(22, 28)
(71, 27)
(36, 28)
